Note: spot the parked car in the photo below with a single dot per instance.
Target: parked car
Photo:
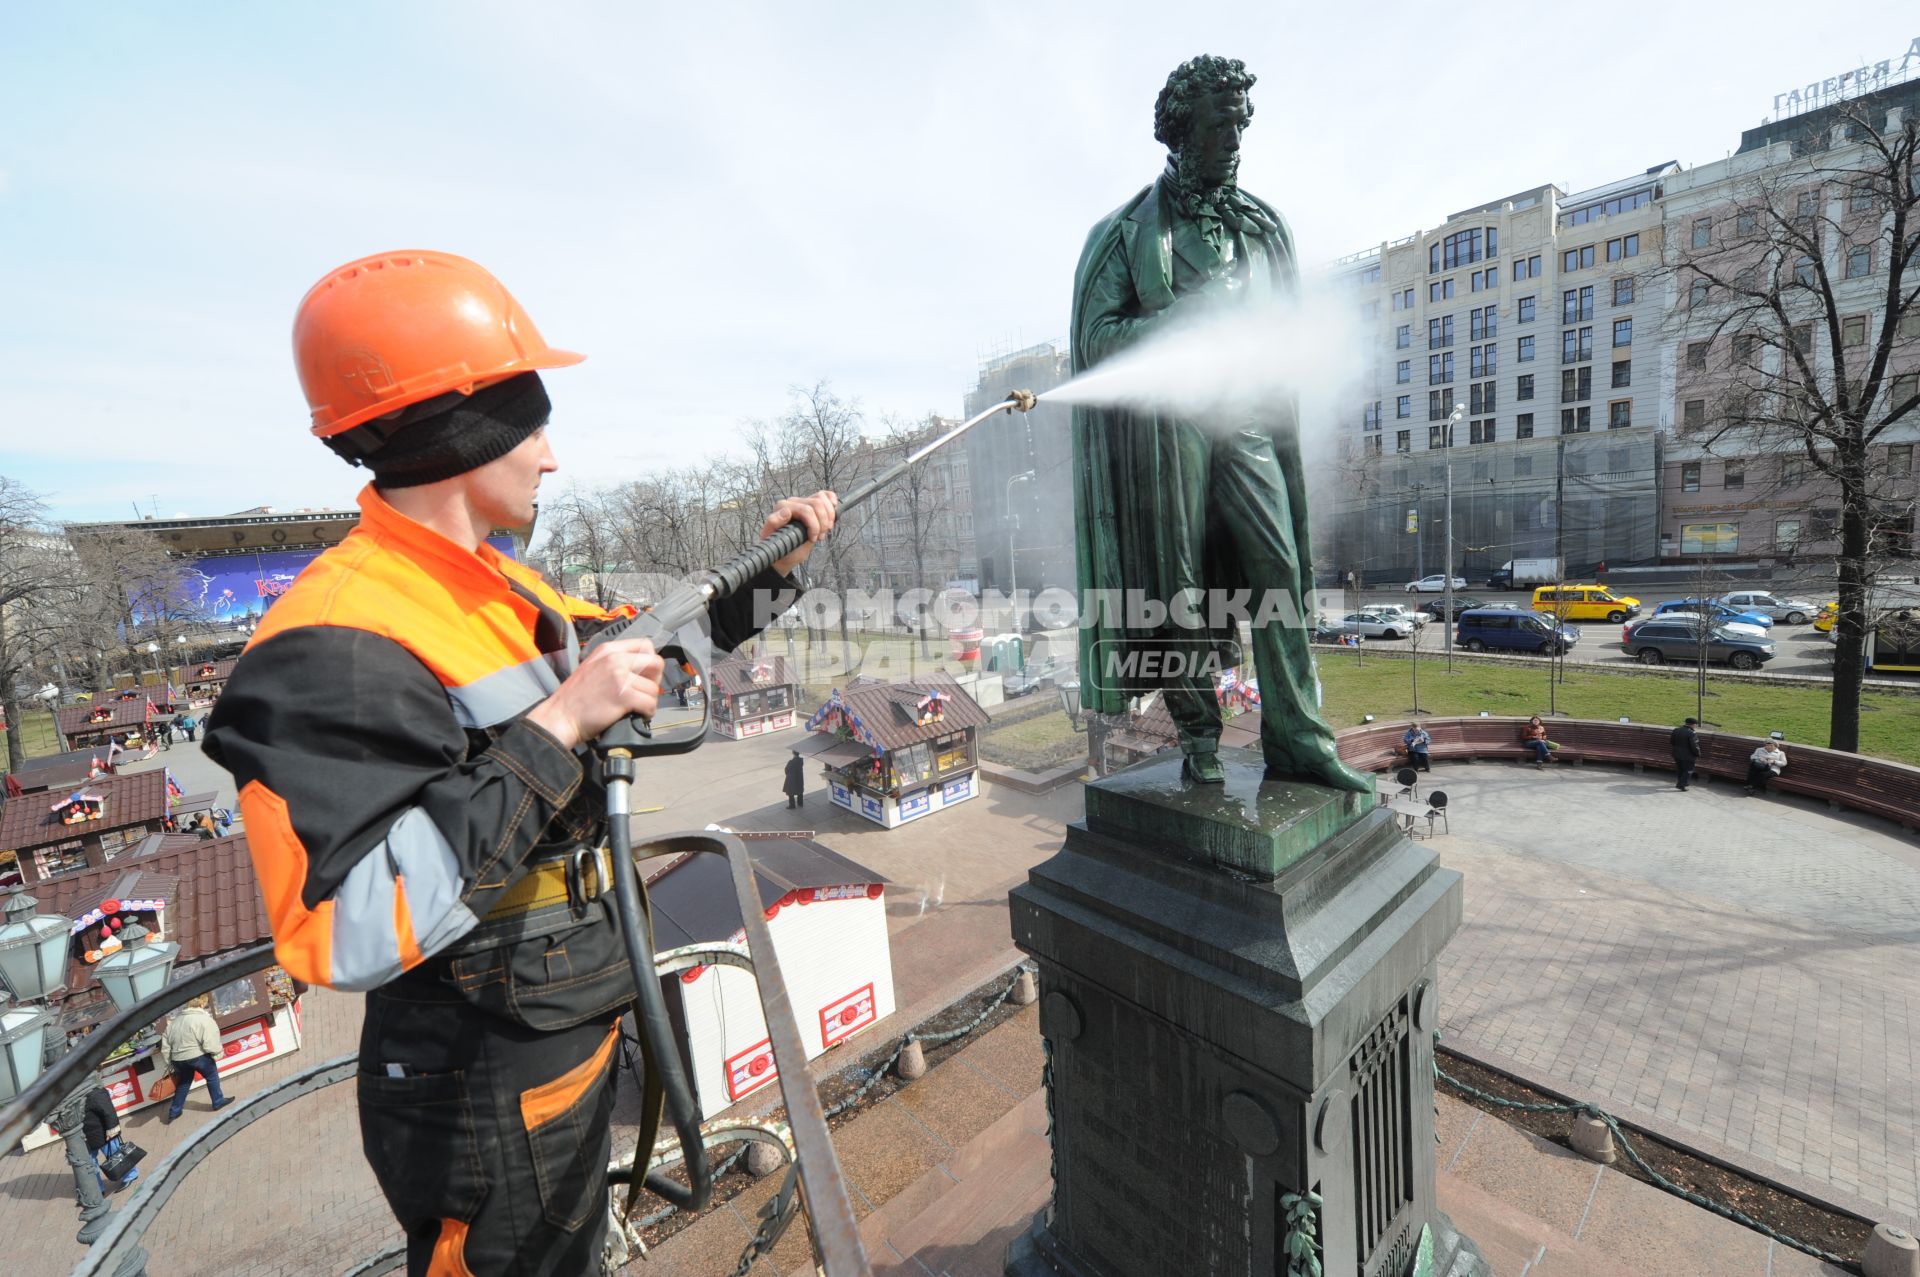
(1327, 630)
(1377, 625)
(1435, 584)
(1746, 629)
(1665, 638)
(1413, 616)
(1719, 611)
(1824, 619)
(1792, 611)
(1461, 603)
(1584, 603)
(1509, 630)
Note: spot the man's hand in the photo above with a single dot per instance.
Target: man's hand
(618, 678)
(815, 512)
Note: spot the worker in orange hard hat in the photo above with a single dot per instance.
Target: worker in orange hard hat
(407, 730)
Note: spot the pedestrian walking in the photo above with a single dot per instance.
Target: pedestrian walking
(189, 725)
(796, 786)
(1686, 752)
(1419, 746)
(1767, 762)
(101, 1123)
(191, 1045)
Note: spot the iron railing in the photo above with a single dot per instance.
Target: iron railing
(804, 1138)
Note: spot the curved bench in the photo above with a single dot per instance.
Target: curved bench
(1857, 782)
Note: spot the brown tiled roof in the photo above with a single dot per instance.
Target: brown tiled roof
(222, 670)
(53, 771)
(886, 709)
(1242, 730)
(213, 899)
(126, 716)
(28, 821)
(735, 674)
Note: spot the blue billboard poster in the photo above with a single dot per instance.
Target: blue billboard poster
(237, 588)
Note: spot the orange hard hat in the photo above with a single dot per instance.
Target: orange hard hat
(395, 329)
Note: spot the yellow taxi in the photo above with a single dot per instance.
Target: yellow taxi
(1584, 603)
(1824, 618)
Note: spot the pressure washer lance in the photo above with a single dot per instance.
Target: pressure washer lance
(617, 747)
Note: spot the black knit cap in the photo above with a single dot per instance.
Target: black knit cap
(447, 435)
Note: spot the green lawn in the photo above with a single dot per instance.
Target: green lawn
(1355, 684)
(37, 735)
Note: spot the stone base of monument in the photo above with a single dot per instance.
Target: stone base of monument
(1237, 1003)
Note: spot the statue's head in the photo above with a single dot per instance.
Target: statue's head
(1200, 116)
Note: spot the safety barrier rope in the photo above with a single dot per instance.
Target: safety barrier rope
(875, 1076)
(1633, 1155)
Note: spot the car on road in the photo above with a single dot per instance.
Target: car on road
(1413, 616)
(1377, 625)
(1584, 603)
(1824, 619)
(1720, 612)
(1435, 584)
(1667, 638)
(1792, 611)
(1507, 629)
(1461, 603)
(1745, 629)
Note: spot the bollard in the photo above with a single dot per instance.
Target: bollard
(1593, 1138)
(763, 1159)
(912, 1062)
(1026, 990)
(1891, 1252)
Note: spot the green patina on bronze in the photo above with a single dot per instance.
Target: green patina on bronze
(1169, 506)
(1249, 823)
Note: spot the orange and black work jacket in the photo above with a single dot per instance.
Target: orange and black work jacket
(396, 797)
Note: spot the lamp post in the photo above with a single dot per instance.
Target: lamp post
(1070, 702)
(1013, 561)
(1453, 419)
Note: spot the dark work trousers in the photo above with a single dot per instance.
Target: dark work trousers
(1420, 760)
(491, 1145)
(1684, 766)
(1758, 774)
(1230, 485)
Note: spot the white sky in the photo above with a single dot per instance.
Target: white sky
(717, 202)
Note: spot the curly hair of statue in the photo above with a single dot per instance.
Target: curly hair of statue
(1191, 81)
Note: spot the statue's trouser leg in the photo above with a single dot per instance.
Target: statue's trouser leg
(1250, 504)
(1184, 463)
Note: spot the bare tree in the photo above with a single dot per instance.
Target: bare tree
(924, 498)
(580, 543)
(1798, 297)
(824, 446)
(36, 568)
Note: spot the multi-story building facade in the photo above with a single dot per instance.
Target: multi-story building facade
(1737, 481)
(1534, 311)
(1022, 466)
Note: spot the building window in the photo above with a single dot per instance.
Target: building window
(1403, 441)
(1576, 384)
(1439, 369)
(1373, 445)
(1464, 247)
(1802, 335)
(1482, 431)
(1859, 261)
(1403, 337)
(1809, 206)
(1574, 421)
(1440, 332)
(62, 858)
(1690, 476)
(1482, 360)
(1523, 387)
(1481, 397)
(1899, 460)
(1523, 429)
(1523, 350)
(1619, 414)
(1370, 416)
(1747, 222)
(1623, 332)
(1577, 258)
(1745, 347)
(1623, 291)
(1524, 311)
(1433, 437)
(1786, 535)
(1693, 414)
(1862, 198)
(1905, 387)
(1618, 204)
(1370, 310)
(1824, 525)
(1699, 294)
(1484, 322)
(1734, 477)
(1403, 406)
(1793, 471)
(1576, 344)
(1439, 404)
(1526, 267)
(1576, 305)
(1622, 373)
(1853, 332)
(1440, 290)
(1709, 538)
(1702, 232)
(1696, 355)
(1626, 246)
(1403, 372)
(1403, 299)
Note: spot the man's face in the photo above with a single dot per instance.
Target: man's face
(1211, 155)
(507, 489)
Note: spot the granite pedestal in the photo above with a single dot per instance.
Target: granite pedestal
(1237, 1001)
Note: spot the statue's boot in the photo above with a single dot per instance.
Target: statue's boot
(1205, 767)
(1317, 761)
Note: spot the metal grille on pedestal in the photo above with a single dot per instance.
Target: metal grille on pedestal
(1380, 1084)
